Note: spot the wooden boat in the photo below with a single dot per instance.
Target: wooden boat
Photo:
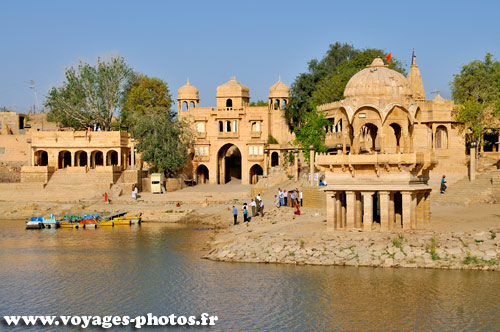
(89, 221)
(121, 222)
(34, 223)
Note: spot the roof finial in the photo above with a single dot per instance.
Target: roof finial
(279, 78)
(413, 57)
(188, 80)
(233, 78)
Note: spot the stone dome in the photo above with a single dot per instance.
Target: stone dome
(233, 88)
(187, 91)
(279, 90)
(377, 80)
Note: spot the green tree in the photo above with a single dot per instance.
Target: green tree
(162, 141)
(477, 89)
(91, 95)
(326, 79)
(144, 95)
(259, 103)
(312, 132)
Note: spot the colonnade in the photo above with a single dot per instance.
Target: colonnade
(392, 209)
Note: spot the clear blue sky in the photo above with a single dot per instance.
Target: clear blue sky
(209, 41)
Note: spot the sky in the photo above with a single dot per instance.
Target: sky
(256, 41)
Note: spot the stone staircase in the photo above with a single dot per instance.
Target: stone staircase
(464, 192)
(78, 184)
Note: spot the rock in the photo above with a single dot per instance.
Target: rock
(399, 256)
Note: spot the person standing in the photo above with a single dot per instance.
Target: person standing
(292, 198)
(277, 201)
(300, 197)
(134, 192)
(285, 197)
(297, 207)
(235, 215)
(262, 208)
(257, 201)
(281, 197)
(245, 212)
(253, 206)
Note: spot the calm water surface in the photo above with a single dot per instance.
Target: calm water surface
(157, 268)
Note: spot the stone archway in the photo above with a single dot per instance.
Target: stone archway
(112, 158)
(228, 164)
(41, 158)
(64, 159)
(97, 159)
(202, 174)
(256, 173)
(80, 158)
(441, 137)
(369, 133)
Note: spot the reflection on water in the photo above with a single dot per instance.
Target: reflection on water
(156, 268)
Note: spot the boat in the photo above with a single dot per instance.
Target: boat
(50, 222)
(120, 221)
(133, 220)
(89, 221)
(34, 223)
(106, 223)
(70, 224)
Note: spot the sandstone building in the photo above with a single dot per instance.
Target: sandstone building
(386, 141)
(235, 141)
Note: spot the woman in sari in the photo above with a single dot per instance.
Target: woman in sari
(296, 204)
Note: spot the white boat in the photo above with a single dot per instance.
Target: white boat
(34, 223)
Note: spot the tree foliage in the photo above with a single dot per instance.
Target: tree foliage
(143, 96)
(326, 79)
(312, 132)
(162, 141)
(259, 103)
(477, 89)
(91, 95)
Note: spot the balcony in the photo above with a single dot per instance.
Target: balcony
(255, 134)
(228, 135)
(201, 135)
(256, 158)
(201, 158)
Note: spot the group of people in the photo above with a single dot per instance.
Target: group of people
(257, 207)
(292, 198)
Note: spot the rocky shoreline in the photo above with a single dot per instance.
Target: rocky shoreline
(410, 249)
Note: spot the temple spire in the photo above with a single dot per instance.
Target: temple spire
(415, 79)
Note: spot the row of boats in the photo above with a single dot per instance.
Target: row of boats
(84, 221)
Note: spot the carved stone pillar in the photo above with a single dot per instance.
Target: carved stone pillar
(351, 209)
(331, 223)
(384, 210)
(406, 209)
(368, 210)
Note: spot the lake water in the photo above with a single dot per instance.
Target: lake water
(156, 268)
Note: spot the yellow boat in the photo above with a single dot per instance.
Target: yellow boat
(69, 224)
(128, 220)
(109, 223)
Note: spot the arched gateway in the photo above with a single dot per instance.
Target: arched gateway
(228, 164)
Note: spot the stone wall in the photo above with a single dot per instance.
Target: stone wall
(313, 197)
(14, 148)
(39, 174)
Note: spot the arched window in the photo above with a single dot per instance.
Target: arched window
(441, 137)
(228, 126)
(276, 104)
(256, 126)
(191, 104)
(184, 106)
(221, 126)
(229, 103)
(283, 104)
(235, 126)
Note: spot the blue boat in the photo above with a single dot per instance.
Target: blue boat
(50, 222)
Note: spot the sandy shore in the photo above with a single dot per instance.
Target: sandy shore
(458, 237)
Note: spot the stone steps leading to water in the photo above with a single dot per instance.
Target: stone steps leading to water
(464, 192)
